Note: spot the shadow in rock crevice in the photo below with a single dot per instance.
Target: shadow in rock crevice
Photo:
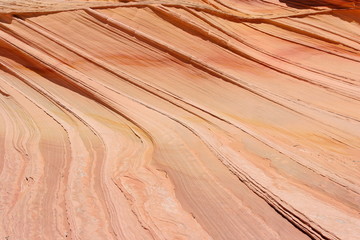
(333, 4)
(346, 10)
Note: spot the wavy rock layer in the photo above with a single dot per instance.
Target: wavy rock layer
(214, 119)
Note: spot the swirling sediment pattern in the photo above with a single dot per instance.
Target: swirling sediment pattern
(198, 119)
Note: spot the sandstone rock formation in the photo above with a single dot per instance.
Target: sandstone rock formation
(184, 119)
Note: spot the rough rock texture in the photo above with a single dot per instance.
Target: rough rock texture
(185, 119)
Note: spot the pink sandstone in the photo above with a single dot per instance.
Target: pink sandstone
(185, 119)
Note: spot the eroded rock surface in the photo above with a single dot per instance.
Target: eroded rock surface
(213, 119)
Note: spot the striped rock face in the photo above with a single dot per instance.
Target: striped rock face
(184, 119)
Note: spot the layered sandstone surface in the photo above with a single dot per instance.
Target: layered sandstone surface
(184, 119)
